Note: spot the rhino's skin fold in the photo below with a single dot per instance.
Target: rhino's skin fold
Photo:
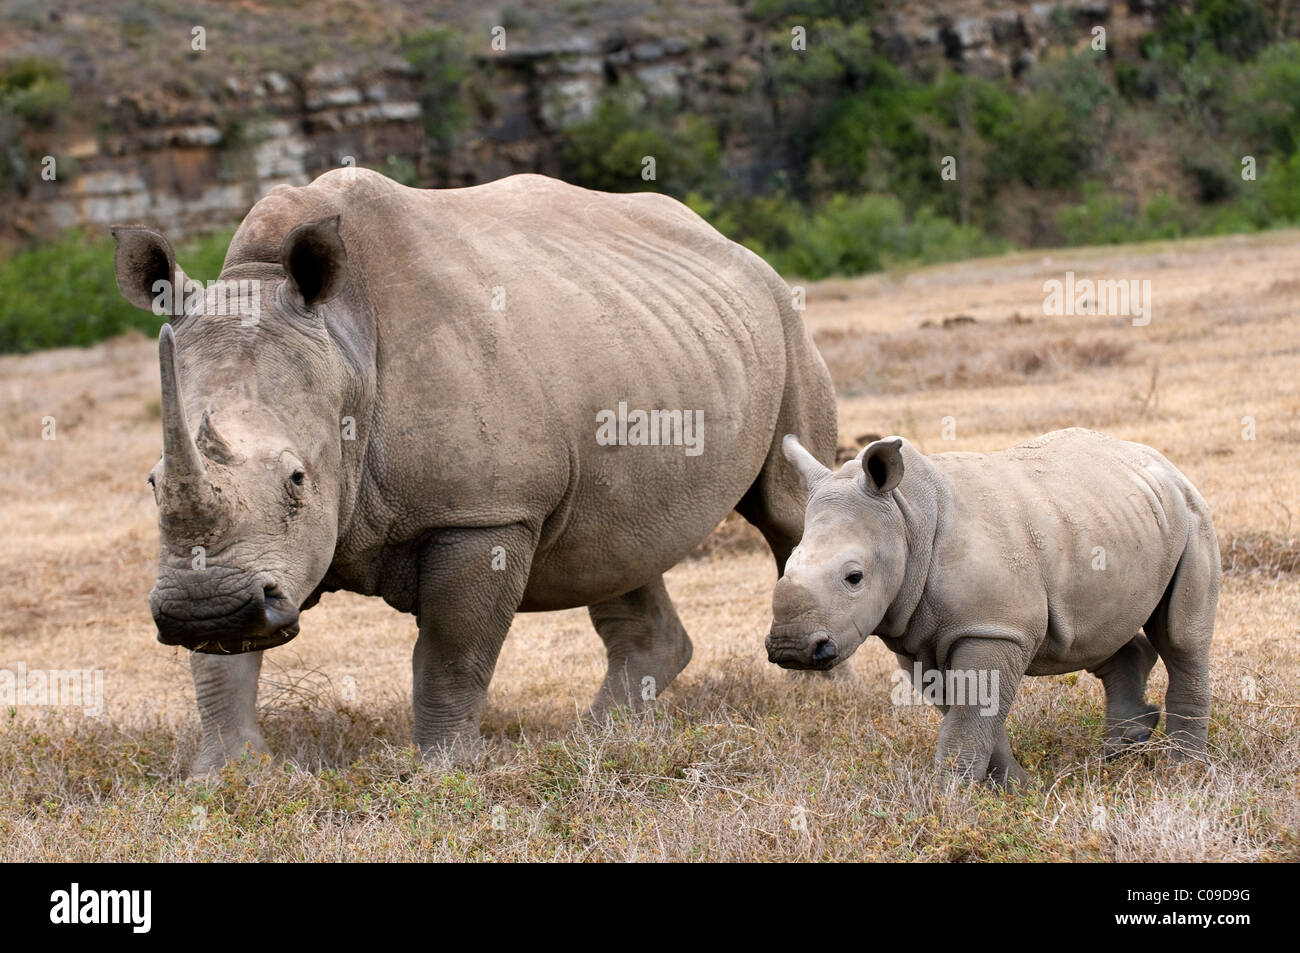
(408, 409)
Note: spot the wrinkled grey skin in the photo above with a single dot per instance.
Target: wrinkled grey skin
(469, 337)
(990, 562)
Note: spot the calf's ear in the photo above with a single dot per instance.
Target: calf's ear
(882, 464)
(144, 258)
(315, 261)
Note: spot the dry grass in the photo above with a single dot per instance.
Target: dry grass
(740, 760)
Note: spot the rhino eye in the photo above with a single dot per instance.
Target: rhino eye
(298, 476)
(854, 578)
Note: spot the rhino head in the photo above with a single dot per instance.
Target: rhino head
(249, 483)
(847, 570)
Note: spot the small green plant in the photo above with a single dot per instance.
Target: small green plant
(400, 169)
(439, 57)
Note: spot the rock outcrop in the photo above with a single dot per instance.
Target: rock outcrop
(199, 163)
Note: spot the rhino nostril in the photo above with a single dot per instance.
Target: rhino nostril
(277, 610)
(824, 651)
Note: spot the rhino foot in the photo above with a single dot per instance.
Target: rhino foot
(452, 750)
(213, 756)
(1135, 730)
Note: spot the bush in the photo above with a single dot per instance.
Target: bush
(34, 90)
(608, 150)
(1275, 198)
(33, 96)
(1264, 106)
(1047, 136)
(439, 57)
(65, 293)
(852, 235)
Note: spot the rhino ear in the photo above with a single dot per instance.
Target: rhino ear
(144, 258)
(882, 464)
(315, 261)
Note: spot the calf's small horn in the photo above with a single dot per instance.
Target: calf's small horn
(810, 468)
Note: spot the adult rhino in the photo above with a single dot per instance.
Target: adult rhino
(409, 407)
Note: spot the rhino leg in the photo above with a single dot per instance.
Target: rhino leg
(1129, 719)
(469, 591)
(225, 687)
(973, 744)
(646, 646)
(1004, 769)
(1180, 629)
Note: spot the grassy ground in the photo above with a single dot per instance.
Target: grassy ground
(741, 760)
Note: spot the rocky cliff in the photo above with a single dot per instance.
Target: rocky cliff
(193, 151)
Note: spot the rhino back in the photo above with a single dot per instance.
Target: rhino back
(503, 318)
(1075, 535)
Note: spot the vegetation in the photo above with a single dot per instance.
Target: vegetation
(65, 292)
(863, 144)
(33, 96)
(439, 58)
(1194, 130)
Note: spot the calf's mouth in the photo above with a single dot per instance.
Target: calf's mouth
(797, 648)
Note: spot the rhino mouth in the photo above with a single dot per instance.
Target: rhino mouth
(817, 653)
(267, 618)
(254, 644)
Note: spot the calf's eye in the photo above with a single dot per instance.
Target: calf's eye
(854, 578)
(297, 477)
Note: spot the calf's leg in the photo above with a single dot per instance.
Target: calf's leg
(1180, 629)
(973, 743)
(1129, 719)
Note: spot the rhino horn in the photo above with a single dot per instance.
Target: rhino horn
(184, 477)
(811, 470)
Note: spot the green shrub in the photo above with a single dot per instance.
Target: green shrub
(1264, 106)
(852, 235)
(607, 152)
(1275, 198)
(440, 60)
(64, 293)
(1236, 28)
(33, 98)
(34, 91)
(1046, 137)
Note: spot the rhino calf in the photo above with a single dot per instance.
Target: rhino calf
(1042, 559)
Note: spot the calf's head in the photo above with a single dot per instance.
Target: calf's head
(248, 487)
(842, 577)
